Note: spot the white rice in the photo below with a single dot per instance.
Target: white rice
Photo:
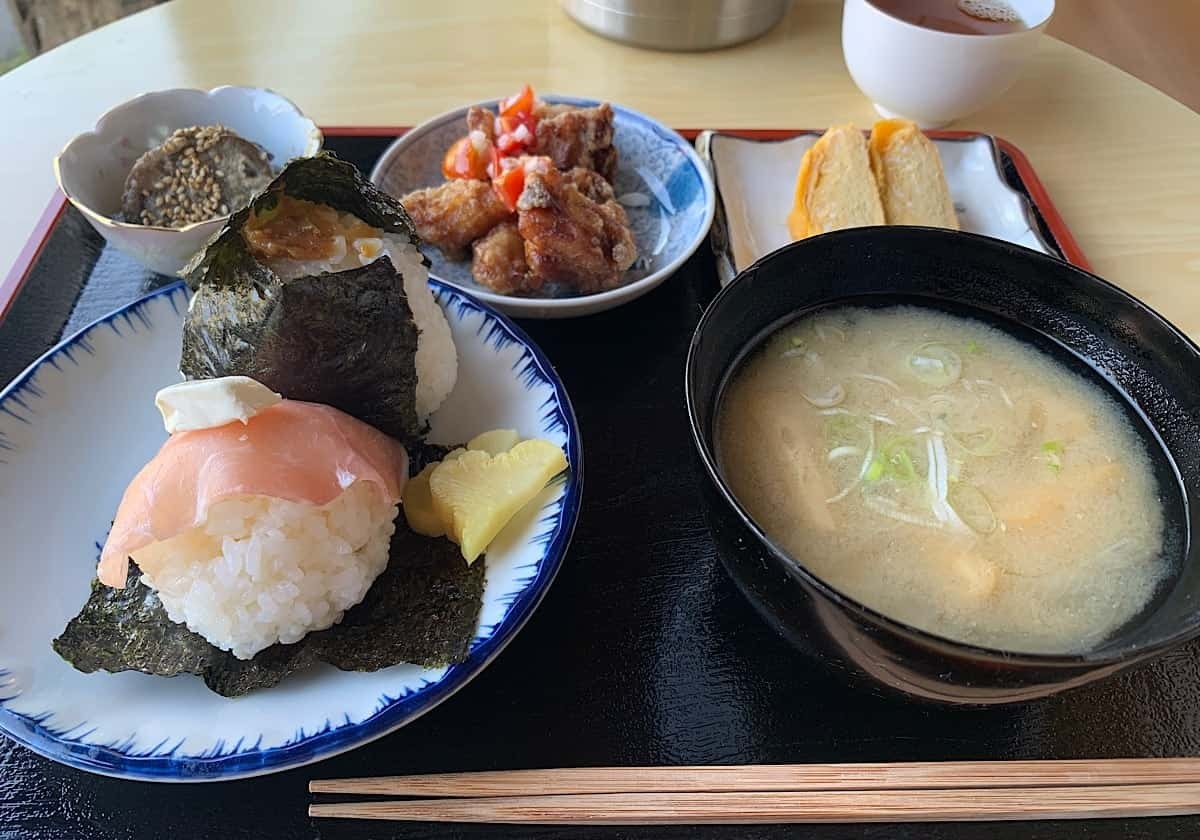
(437, 359)
(263, 570)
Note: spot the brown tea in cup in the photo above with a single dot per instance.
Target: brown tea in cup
(960, 17)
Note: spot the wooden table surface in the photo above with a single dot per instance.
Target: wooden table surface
(1120, 159)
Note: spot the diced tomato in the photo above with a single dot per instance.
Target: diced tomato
(493, 168)
(450, 159)
(516, 134)
(466, 159)
(509, 186)
(507, 125)
(500, 164)
(520, 103)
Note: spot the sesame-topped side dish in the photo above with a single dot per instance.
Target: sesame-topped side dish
(198, 173)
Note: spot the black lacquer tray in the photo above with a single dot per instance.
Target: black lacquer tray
(642, 653)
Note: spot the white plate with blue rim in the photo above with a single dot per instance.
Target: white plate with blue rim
(668, 192)
(77, 425)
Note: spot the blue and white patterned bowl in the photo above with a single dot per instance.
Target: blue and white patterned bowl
(77, 425)
(653, 162)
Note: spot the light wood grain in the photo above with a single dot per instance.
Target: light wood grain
(1155, 41)
(1121, 160)
(840, 806)
(784, 777)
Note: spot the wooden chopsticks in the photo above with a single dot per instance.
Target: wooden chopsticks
(810, 793)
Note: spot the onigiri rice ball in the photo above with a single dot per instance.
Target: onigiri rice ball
(249, 545)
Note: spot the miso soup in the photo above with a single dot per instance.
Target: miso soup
(947, 475)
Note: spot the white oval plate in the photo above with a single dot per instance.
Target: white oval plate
(651, 159)
(754, 181)
(77, 425)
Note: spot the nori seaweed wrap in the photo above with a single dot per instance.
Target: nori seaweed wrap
(422, 609)
(307, 318)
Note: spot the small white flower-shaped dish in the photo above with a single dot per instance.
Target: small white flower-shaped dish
(91, 169)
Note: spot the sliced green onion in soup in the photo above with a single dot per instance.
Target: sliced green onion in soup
(843, 452)
(988, 384)
(881, 380)
(829, 399)
(897, 458)
(939, 409)
(875, 470)
(893, 509)
(844, 428)
(902, 466)
(867, 461)
(972, 507)
(981, 443)
(935, 364)
(1052, 451)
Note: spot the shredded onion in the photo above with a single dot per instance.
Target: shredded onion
(888, 508)
(633, 199)
(882, 418)
(821, 328)
(939, 483)
(657, 188)
(836, 394)
(882, 380)
(940, 402)
(843, 452)
(800, 352)
(866, 465)
(935, 364)
(932, 476)
(972, 507)
(999, 388)
(913, 407)
(965, 441)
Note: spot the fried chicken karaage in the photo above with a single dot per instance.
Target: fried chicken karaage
(529, 192)
(579, 137)
(499, 260)
(571, 239)
(453, 215)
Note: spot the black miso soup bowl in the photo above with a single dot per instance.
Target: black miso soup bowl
(1149, 366)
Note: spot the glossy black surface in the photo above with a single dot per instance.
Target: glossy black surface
(1088, 325)
(644, 652)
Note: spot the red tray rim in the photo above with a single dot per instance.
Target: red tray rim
(15, 279)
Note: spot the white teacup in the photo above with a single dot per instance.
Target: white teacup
(929, 76)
